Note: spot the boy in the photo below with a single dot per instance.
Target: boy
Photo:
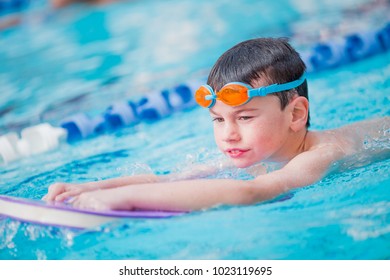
(254, 120)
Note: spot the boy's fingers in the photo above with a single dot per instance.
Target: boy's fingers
(65, 195)
(55, 190)
(74, 201)
(50, 196)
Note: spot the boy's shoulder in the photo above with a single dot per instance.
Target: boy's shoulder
(330, 141)
(351, 138)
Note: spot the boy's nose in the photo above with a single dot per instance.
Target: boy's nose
(231, 133)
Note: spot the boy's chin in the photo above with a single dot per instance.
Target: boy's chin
(241, 164)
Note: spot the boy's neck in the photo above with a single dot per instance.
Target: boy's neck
(296, 144)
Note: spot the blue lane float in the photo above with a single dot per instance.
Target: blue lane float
(148, 108)
(154, 106)
(81, 126)
(351, 48)
(360, 46)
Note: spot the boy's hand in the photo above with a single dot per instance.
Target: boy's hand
(64, 191)
(100, 200)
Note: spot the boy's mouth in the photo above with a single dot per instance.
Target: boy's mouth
(235, 153)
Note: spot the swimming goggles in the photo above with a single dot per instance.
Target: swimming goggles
(236, 94)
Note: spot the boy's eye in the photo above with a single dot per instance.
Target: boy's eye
(217, 119)
(244, 118)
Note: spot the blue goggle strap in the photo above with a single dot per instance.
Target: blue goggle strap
(263, 91)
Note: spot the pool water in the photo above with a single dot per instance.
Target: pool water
(82, 59)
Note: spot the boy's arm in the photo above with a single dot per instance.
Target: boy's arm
(171, 196)
(303, 170)
(63, 191)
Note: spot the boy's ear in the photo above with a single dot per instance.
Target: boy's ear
(300, 111)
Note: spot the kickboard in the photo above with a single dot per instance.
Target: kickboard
(64, 215)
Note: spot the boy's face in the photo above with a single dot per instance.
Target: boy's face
(253, 132)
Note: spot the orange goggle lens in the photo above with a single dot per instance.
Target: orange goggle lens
(233, 94)
(200, 97)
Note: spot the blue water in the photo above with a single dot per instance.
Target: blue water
(82, 59)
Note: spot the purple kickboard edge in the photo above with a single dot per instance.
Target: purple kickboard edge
(108, 213)
(41, 223)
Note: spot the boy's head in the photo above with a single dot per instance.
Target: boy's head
(261, 61)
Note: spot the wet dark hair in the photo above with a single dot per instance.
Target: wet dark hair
(271, 59)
